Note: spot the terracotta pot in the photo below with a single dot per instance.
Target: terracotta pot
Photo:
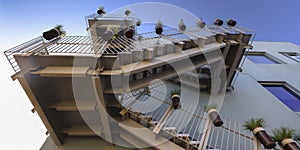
(289, 144)
(218, 22)
(231, 22)
(129, 33)
(215, 117)
(175, 101)
(264, 138)
(51, 34)
(158, 29)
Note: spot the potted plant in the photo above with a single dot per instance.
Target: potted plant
(55, 32)
(127, 12)
(159, 28)
(129, 32)
(101, 10)
(218, 22)
(256, 125)
(231, 22)
(201, 24)
(138, 22)
(181, 25)
(175, 96)
(110, 33)
(283, 136)
(213, 114)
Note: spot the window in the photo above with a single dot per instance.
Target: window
(261, 58)
(293, 55)
(285, 93)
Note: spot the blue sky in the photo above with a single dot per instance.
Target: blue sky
(23, 20)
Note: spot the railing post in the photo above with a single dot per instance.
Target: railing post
(257, 144)
(205, 134)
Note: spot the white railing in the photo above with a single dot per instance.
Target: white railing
(186, 128)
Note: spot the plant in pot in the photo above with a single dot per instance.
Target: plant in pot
(175, 96)
(54, 32)
(159, 28)
(231, 22)
(201, 24)
(101, 10)
(129, 32)
(256, 125)
(181, 25)
(283, 136)
(138, 22)
(218, 22)
(111, 32)
(213, 114)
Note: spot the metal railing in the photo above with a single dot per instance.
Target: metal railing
(184, 127)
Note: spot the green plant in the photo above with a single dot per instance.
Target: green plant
(176, 91)
(254, 123)
(282, 133)
(210, 106)
(61, 30)
(101, 10)
(297, 137)
(127, 12)
(159, 23)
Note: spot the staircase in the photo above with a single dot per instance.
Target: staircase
(181, 129)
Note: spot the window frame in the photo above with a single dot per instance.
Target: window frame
(292, 90)
(265, 54)
(288, 54)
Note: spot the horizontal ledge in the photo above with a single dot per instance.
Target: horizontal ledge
(62, 71)
(134, 85)
(83, 130)
(72, 105)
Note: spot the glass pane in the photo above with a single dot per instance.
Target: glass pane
(261, 59)
(285, 96)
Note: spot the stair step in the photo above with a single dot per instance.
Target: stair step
(137, 143)
(169, 128)
(194, 142)
(182, 135)
(147, 135)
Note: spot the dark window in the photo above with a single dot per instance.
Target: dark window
(285, 95)
(293, 55)
(260, 58)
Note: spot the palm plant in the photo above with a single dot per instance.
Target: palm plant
(256, 125)
(54, 32)
(159, 27)
(127, 12)
(283, 136)
(101, 10)
(181, 25)
(213, 114)
(175, 96)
